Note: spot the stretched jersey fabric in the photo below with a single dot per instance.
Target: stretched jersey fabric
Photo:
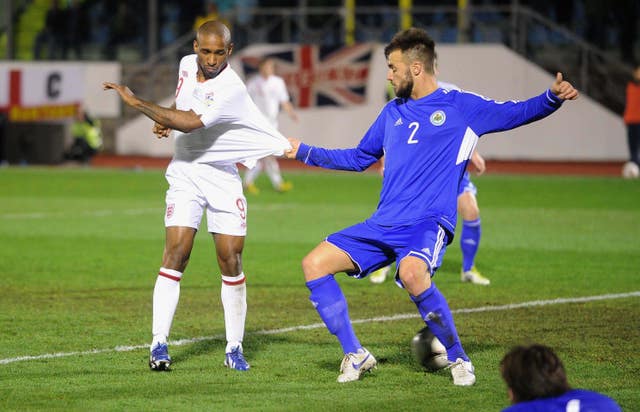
(576, 400)
(235, 131)
(427, 144)
(268, 94)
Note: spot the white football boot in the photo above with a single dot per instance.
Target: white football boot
(462, 372)
(355, 364)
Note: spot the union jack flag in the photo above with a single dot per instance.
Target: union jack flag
(321, 76)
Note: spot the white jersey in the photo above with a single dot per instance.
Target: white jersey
(235, 131)
(268, 94)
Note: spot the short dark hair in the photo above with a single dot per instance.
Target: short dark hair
(533, 372)
(415, 44)
(217, 28)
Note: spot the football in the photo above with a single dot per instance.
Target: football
(429, 351)
(630, 170)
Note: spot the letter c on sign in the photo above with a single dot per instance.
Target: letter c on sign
(53, 85)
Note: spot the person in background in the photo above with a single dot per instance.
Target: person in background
(631, 117)
(269, 93)
(87, 138)
(52, 37)
(537, 382)
(3, 135)
(211, 13)
(471, 229)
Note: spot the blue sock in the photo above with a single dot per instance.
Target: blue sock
(469, 242)
(326, 296)
(434, 309)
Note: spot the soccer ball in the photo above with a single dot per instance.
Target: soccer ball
(429, 351)
(630, 170)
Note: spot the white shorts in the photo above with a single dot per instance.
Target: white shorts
(194, 187)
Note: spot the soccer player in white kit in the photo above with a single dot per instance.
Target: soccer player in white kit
(215, 125)
(269, 93)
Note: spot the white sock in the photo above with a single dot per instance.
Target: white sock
(166, 294)
(234, 303)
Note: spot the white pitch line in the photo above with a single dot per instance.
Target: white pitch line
(90, 213)
(402, 316)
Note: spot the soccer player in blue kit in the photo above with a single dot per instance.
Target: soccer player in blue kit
(537, 382)
(427, 135)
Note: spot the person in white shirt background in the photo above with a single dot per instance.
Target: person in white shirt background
(269, 93)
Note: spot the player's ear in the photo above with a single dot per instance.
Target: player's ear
(195, 46)
(416, 68)
(230, 49)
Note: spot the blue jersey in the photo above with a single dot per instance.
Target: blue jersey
(576, 400)
(427, 143)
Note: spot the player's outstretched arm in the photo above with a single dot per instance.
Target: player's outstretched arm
(563, 89)
(168, 117)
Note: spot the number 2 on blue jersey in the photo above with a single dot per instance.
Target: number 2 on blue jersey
(415, 126)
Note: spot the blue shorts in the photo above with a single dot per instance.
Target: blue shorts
(466, 185)
(372, 246)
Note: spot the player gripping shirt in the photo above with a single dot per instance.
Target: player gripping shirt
(224, 104)
(203, 170)
(425, 159)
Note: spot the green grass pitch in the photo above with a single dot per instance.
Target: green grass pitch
(80, 250)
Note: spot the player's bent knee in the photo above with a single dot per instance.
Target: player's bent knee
(312, 267)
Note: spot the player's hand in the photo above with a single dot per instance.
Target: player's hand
(125, 93)
(563, 89)
(295, 145)
(161, 131)
(478, 163)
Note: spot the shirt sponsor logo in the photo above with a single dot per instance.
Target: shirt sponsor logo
(398, 122)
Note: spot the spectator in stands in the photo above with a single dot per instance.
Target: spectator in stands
(537, 381)
(211, 12)
(3, 134)
(52, 35)
(87, 138)
(632, 116)
(122, 26)
(76, 29)
(627, 13)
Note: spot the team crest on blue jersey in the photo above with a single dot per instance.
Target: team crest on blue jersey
(437, 118)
